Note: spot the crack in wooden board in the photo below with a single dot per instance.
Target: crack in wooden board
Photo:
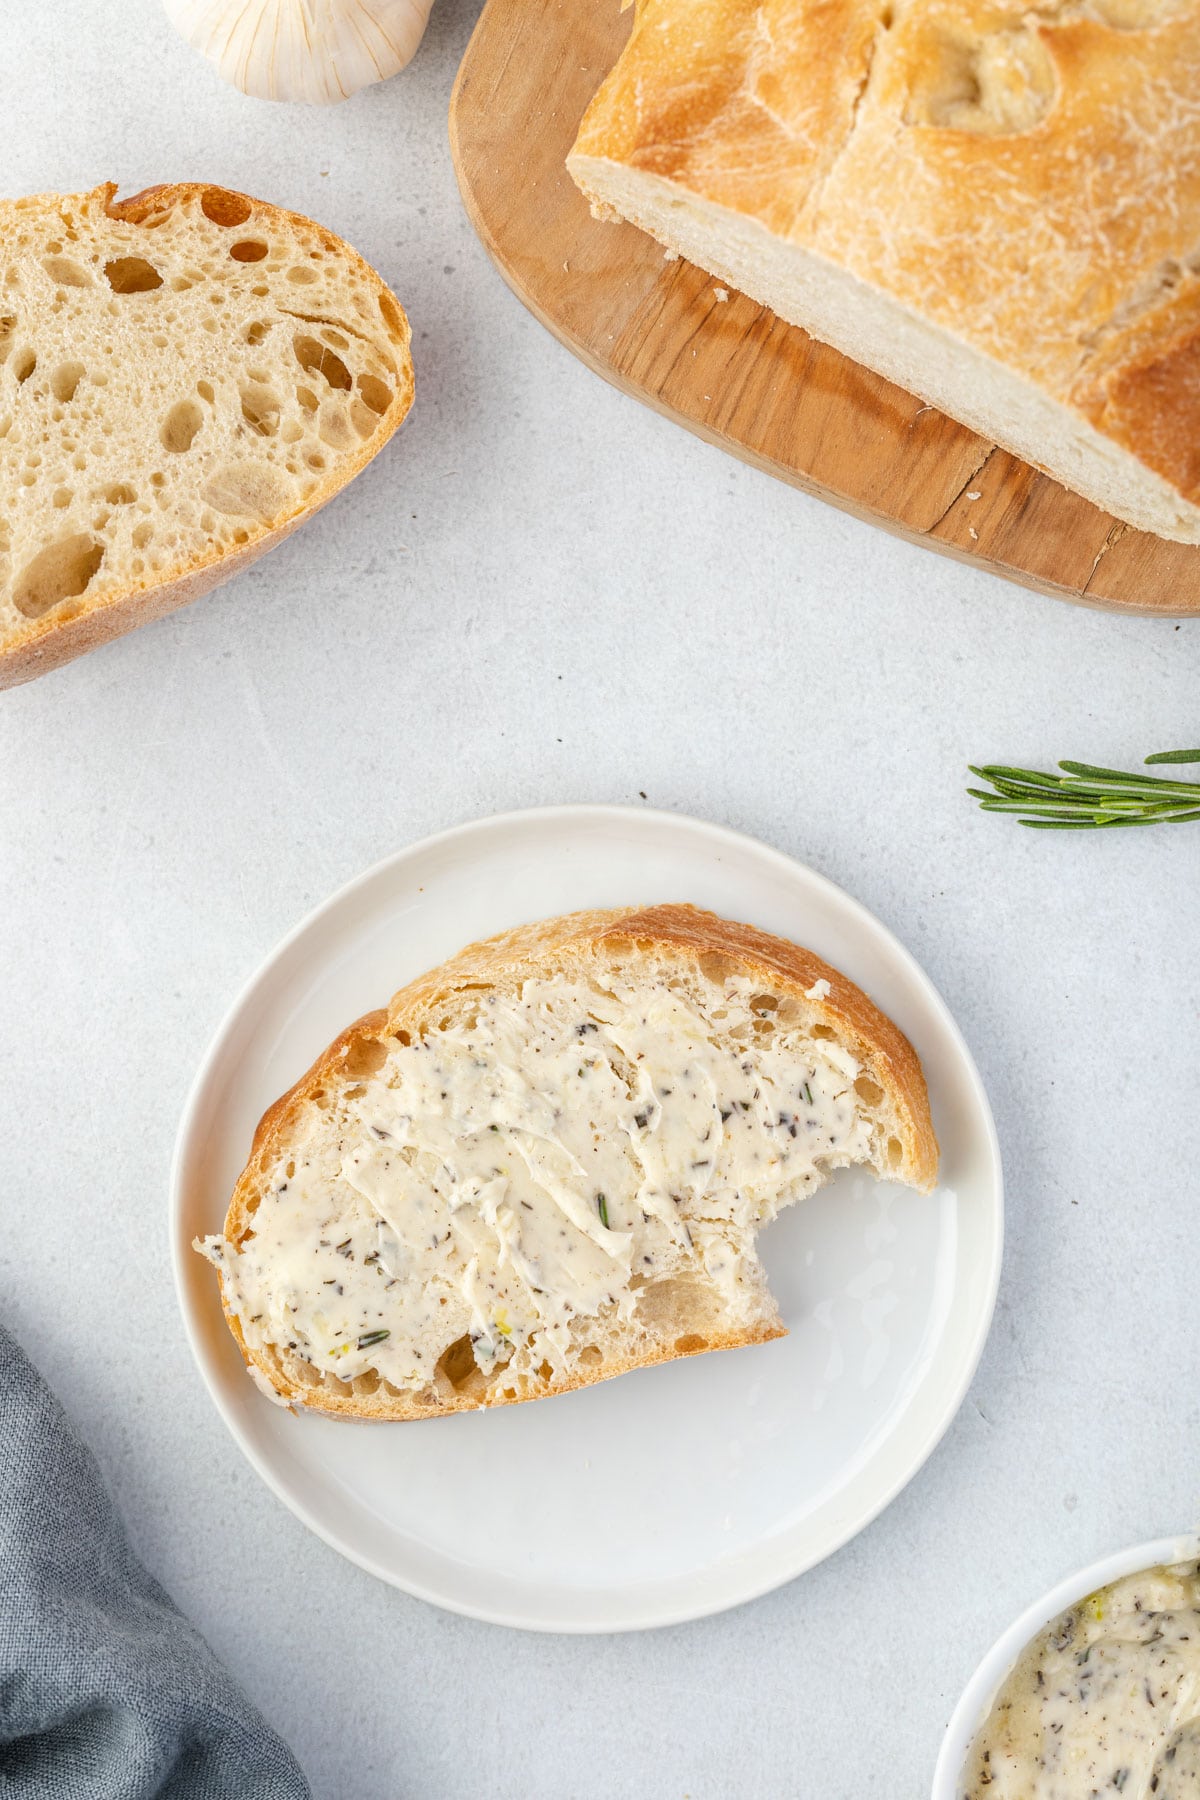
(732, 372)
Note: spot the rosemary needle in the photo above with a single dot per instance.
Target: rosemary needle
(1086, 797)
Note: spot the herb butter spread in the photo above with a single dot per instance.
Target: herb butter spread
(538, 1163)
(1105, 1701)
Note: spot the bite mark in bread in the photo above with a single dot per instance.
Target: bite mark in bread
(545, 1163)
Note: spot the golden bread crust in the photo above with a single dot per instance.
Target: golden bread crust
(1027, 182)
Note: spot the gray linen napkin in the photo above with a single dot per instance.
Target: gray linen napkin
(106, 1692)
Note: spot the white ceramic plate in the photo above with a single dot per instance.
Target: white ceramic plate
(990, 1676)
(675, 1491)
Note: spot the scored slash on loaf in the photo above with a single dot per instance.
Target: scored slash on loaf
(185, 377)
(545, 1163)
(997, 210)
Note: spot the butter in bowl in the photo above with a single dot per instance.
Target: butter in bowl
(1094, 1689)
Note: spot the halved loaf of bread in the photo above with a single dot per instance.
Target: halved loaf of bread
(184, 377)
(996, 207)
(545, 1163)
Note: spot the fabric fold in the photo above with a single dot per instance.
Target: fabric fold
(106, 1691)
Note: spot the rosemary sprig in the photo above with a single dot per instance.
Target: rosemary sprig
(1085, 797)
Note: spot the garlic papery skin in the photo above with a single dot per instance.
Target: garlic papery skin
(317, 51)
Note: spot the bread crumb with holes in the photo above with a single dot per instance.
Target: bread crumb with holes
(184, 377)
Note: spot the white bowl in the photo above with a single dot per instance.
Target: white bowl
(989, 1677)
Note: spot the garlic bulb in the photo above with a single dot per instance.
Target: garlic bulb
(314, 50)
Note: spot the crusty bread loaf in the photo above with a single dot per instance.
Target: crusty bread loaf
(184, 377)
(997, 208)
(545, 1163)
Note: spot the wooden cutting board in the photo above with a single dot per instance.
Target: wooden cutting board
(731, 371)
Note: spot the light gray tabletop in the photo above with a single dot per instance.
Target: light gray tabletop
(542, 592)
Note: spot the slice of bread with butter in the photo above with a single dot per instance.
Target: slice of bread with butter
(546, 1161)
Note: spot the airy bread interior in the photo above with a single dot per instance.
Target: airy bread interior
(181, 376)
(764, 1009)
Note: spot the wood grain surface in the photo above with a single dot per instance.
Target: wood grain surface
(731, 371)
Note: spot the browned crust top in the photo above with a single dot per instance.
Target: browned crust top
(1028, 181)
